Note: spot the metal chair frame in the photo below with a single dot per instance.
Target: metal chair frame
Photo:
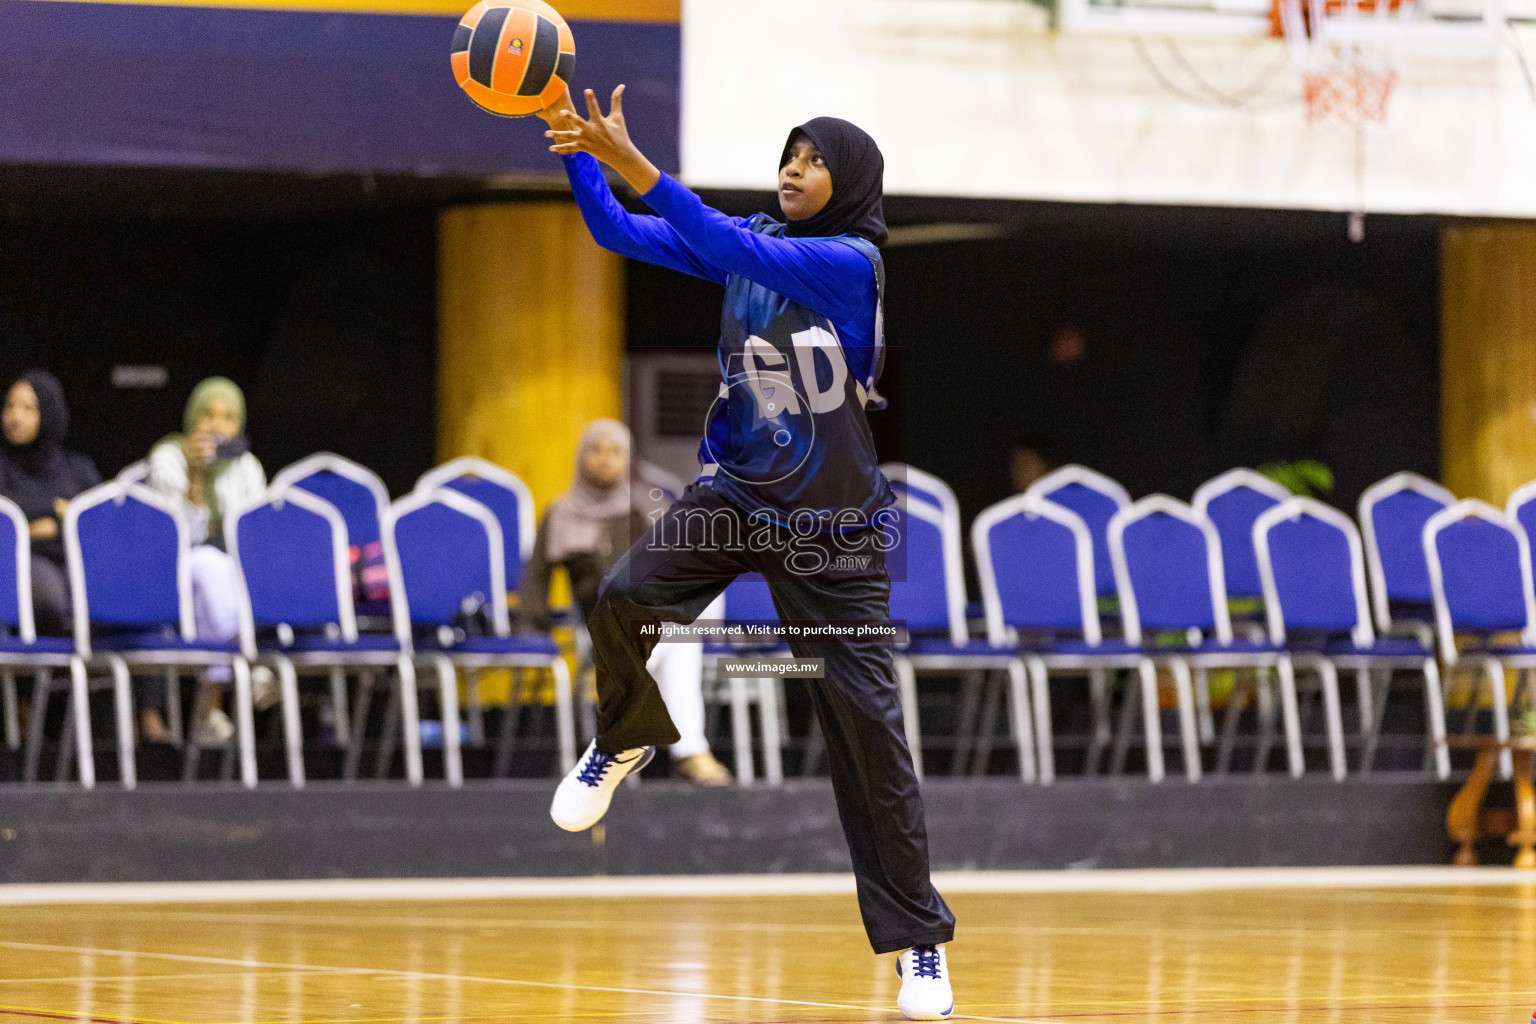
(1190, 665)
(1492, 664)
(120, 663)
(446, 662)
(1005, 657)
(40, 664)
(1039, 665)
(1380, 598)
(1364, 663)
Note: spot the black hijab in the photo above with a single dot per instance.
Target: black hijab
(858, 171)
(32, 475)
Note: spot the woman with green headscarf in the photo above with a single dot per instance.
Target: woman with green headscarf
(209, 472)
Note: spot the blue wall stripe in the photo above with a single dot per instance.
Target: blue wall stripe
(86, 83)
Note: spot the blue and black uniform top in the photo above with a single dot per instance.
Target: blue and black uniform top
(801, 346)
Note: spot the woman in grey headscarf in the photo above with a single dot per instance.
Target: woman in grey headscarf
(586, 529)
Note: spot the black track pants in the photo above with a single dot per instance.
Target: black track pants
(670, 575)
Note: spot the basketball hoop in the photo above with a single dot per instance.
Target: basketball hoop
(1347, 91)
(1339, 81)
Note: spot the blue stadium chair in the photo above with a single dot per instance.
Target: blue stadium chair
(747, 599)
(1035, 562)
(21, 649)
(360, 496)
(133, 473)
(132, 593)
(1168, 566)
(1479, 563)
(445, 549)
(1392, 517)
(1312, 565)
(927, 487)
(1232, 501)
(910, 480)
(509, 499)
(501, 491)
(928, 595)
(296, 609)
(1521, 507)
(1094, 498)
(670, 485)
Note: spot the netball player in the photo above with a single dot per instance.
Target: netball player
(787, 447)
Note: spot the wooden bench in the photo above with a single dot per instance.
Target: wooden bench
(1468, 822)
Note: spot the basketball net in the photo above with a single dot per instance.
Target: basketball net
(1339, 81)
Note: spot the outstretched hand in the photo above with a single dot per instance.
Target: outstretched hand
(603, 136)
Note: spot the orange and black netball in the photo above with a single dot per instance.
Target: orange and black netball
(513, 60)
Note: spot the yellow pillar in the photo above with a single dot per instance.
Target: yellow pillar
(1488, 358)
(530, 338)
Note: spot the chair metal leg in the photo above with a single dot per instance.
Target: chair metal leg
(360, 710)
(507, 736)
(1203, 706)
(1364, 702)
(1236, 702)
(768, 715)
(565, 720)
(986, 726)
(389, 736)
(410, 721)
(1122, 746)
(1291, 715)
(1495, 673)
(906, 684)
(12, 711)
(1045, 740)
(1189, 728)
(1333, 717)
(42, 687)
(245, 723)
(473, 711)
(341, 727)
(448, 697)
(1434, 710)
(1379, 684)
(293, 734)
(67, 748)
(122, 699)
(79, 688)
(965, 721)
(815, 747)
(741, 730)
(173, 723)
(1264, 698)
(1098, 698)
(191, 757)
(1151, 719)
(1023, 729)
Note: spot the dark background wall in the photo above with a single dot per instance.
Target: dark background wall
(328, 324)
(1195, 340)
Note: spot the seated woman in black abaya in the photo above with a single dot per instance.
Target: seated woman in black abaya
(41, 476)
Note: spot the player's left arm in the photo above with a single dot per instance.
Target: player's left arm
(828, 276)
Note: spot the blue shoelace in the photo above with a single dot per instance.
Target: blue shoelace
(592, 772)
(925, 962)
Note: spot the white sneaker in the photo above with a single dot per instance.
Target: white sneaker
(264, 689)
(214, 730)
(583, 796)
(925, 992)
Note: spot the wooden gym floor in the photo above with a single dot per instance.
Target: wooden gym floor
(1449, 952)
